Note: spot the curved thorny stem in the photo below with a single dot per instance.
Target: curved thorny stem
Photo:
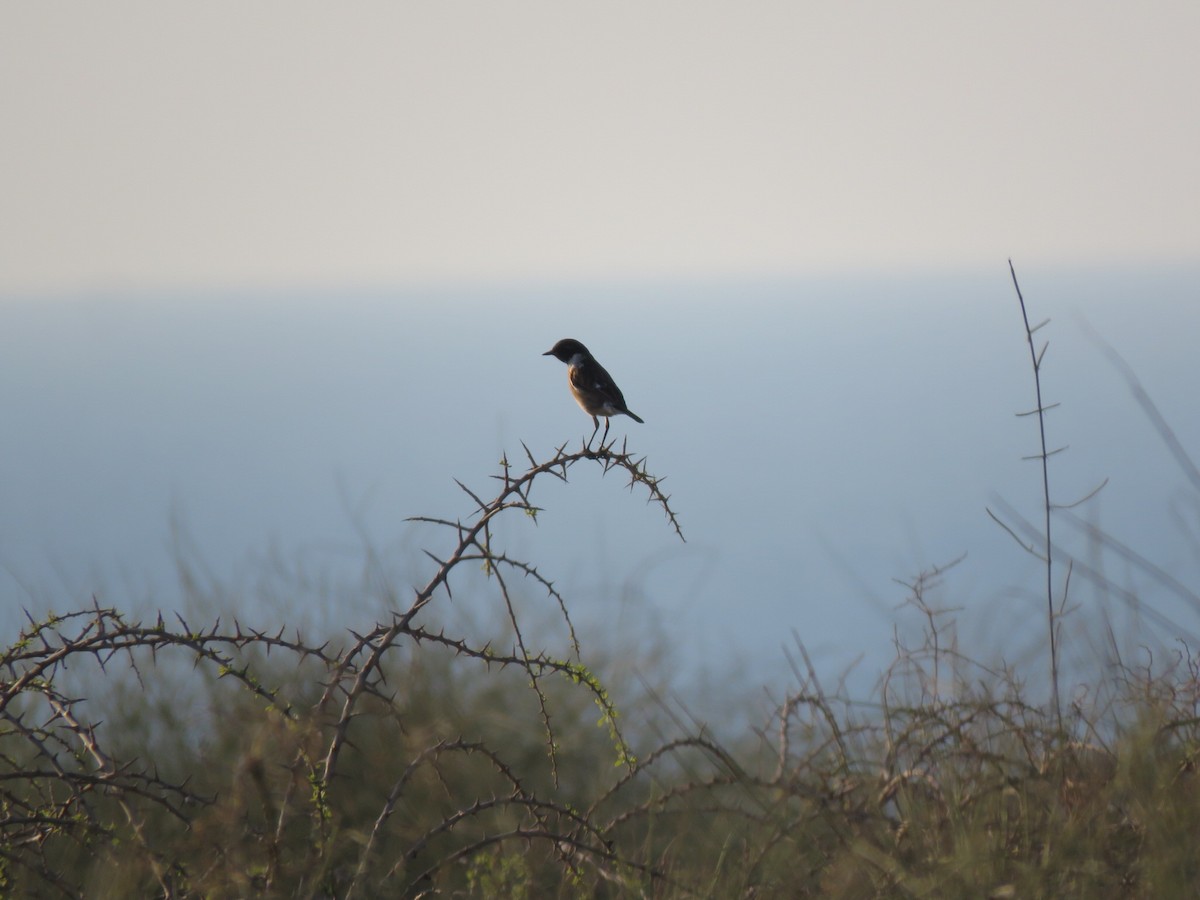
(62, 776)
(358, 673)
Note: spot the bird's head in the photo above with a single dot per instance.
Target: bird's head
(566, 349)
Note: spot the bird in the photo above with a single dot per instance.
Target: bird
(591, 385)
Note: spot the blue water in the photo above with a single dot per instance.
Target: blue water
(820, 439)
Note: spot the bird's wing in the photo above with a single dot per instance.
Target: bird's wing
(592, 377)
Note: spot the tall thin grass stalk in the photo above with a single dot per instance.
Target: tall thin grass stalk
(1036, 356)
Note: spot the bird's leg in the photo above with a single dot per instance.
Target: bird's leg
(596, 422)
(607, 421)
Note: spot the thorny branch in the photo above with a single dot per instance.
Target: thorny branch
(59, 767)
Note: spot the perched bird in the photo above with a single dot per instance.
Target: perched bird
(592, 387)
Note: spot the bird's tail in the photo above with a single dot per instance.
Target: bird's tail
(635, 417)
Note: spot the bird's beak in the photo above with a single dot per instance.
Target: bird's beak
(548, 353)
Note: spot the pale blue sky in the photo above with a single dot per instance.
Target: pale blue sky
(782, 225)
(289, 144)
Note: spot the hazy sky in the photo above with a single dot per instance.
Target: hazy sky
(293, 143)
